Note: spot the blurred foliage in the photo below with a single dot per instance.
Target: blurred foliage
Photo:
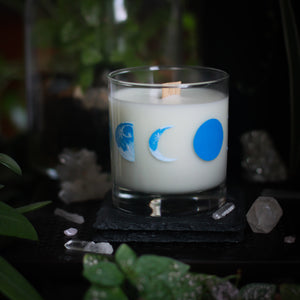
(85, 33)
(15, 225)
(75, 37)
(12, 108)
(129, 276)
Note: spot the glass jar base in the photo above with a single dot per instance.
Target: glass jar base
(158, 205)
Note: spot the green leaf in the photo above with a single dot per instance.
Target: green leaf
(126, 258)
(189, 286)
(212, 287)
(189, 22)
(154, 265)
(96, 292)
(86, 77)
(90, 56)
(158, 274)
(10, 163)
(224, 289)
(33, 206)
(14, 285)
(104, 273)
(92, 259)
(290, 291)
(13, 223)
(90, 10)
(254, 291)
(68, 32)
(154, 289)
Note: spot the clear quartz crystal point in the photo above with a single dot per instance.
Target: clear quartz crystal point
(264, 214)
(69, 216)
(223, 211)
(89, 246)
(261, 161)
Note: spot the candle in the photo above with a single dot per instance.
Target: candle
(173, 145)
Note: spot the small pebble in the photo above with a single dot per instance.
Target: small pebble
(290, 239)
(70, 231)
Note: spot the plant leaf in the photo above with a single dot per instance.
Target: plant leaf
(92, 259)
(154, 289)
(104, 273)
(14, 285)
(189, 286)
(154, 265)
(10, 163)
(258, 291)
(96, 292)
(156, 275)
(68, 32)
(90, 56)
(13, 223)
(91, 12)
(290, 291)
(86, 77)
(126, 258)
(33, 206)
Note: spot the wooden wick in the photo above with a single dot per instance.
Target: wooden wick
(170, 91)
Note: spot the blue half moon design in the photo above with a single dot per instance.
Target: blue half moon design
(208, 140)
(125, 140)
(153, 144)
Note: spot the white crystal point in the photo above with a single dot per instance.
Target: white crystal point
(89, 246)
(264, 214)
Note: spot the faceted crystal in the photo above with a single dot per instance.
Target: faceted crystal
(89, 246)
(81, 177)
(264, 214)
(261, 161)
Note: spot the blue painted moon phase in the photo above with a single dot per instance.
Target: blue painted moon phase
(208, 139)
(153, 144)
(125, 140)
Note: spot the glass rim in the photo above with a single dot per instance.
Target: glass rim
(111, 76)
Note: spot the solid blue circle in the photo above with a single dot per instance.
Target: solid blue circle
(208, 139)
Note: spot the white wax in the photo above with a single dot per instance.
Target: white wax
(184, 113)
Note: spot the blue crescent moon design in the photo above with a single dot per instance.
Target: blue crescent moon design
(208, 140)
(153, 144)
(125, 140)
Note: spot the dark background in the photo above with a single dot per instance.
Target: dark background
(244, 38)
